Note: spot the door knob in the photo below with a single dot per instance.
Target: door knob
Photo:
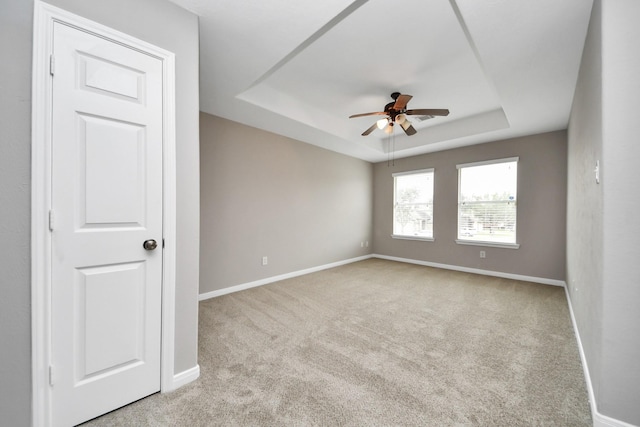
(150, 244)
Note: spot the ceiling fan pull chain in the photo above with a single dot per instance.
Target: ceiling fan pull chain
(393, 149)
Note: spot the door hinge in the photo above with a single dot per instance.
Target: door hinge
(52, 220)
(162, 243)
(51, 378)
(52, 64)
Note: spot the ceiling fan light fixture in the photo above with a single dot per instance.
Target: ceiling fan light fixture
(382, 123)
(389, 128)
(401, 118)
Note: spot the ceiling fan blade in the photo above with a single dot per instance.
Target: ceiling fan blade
(428, 112)
(377, 113)
(401, 102)
(408, 129)
(371, 129)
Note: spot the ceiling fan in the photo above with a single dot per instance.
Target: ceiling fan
(397, 112)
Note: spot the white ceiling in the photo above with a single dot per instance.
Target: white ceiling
(503, 68)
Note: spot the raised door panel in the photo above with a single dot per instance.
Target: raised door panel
(112, 187)
(109, 319)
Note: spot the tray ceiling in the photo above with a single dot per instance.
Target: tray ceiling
(299, 69)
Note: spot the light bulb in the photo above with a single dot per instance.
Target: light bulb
(382, 123)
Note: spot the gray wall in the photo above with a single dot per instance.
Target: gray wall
(585, 201)
(164, 25)
(541, 208)
(603, 271)
(15, 212)
(266, 195)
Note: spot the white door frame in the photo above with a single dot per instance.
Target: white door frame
(44, 17)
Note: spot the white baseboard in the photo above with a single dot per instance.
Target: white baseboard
(599, 420)
(184, 378)
(242, 287)
(544, 281)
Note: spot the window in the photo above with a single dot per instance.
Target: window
(413, 204)
(487, 202)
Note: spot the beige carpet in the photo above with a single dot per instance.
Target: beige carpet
(379, 343)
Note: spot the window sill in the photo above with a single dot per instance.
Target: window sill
(424, 239)
(488, 244)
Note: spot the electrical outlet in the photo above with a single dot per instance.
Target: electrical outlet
(265, 260)
(483, 254)
(366, 244)
(362, 244)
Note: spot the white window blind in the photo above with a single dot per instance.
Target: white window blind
(487, 201)
(413, 204)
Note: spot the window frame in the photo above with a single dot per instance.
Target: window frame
(461, 241)
(393, 210)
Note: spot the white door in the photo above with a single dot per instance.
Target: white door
(106, 202)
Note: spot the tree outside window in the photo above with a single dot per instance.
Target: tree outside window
(487, 201)
(413, 204)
